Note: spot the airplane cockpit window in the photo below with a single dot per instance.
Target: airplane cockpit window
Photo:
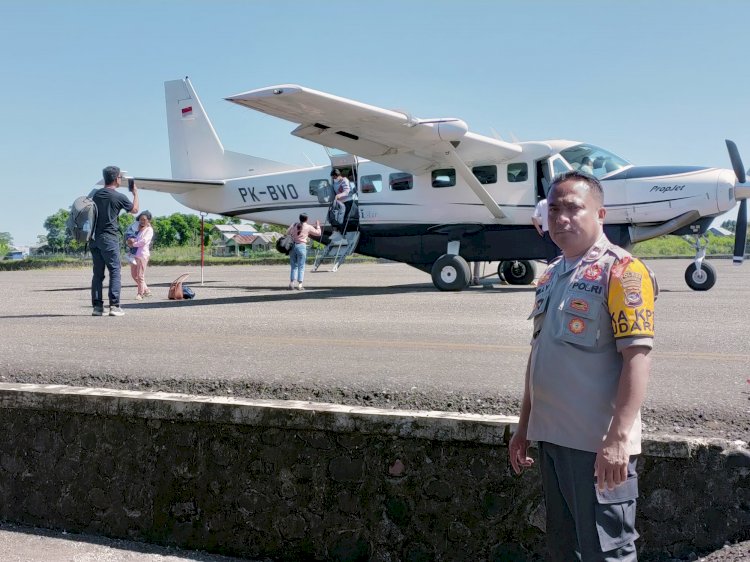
(445, 177)
(485, 174)
(518, 171)
(559, 166)
(593, 160)
(400, 181)
(372, 184)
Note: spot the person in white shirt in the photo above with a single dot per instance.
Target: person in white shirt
(539, 220)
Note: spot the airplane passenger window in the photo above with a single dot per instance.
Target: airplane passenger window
(518, 172)
(485, 174)
(401, 181)
(371, 184)
(318, 186)
(445, 177)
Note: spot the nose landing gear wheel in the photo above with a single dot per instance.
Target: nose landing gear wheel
(700, 280)
(450, 273)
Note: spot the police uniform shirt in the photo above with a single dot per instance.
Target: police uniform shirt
(583, 318)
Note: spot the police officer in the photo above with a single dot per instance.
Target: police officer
(586, 379)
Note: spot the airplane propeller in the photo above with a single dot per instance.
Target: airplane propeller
(740, 232)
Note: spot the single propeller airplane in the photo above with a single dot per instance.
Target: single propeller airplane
(429, 192)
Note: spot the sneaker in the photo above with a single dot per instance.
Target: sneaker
(300, 288)
(98, 311)
(291, 286)
(139, 297)
(148, 293)
(116, 311)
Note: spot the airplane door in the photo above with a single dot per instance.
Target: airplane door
(543, 177)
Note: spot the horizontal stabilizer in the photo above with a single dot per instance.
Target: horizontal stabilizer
(176, 187)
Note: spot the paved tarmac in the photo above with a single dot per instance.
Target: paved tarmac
(376, 334)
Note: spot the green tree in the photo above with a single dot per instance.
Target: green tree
(6, 241)
(57, 238)
(729, 225)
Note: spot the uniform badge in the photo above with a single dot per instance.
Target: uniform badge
(544, 278)
(631, 285)
(620, 266)
(593, 272)
(579, 304)
(577, 325)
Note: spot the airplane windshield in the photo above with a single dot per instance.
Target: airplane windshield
(593, 160)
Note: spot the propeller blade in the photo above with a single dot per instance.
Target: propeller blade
(734, 156)
(740, 234)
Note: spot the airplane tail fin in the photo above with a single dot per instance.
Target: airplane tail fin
(195, 149)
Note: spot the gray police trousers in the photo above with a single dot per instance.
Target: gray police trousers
(583, 523)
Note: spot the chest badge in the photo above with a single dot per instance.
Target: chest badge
(579, 304)
(593, 272)
(577, 325)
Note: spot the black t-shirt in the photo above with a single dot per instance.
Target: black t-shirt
(109, 203)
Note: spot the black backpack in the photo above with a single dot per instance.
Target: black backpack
(285, 244)
(82, 218)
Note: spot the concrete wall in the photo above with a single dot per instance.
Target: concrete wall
(300, 481)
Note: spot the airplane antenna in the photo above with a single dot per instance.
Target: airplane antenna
(309, 160)
(513, 137)
(496, 134)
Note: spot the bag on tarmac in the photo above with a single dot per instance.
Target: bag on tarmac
(82, 219)
(285, 244)
(178, 292)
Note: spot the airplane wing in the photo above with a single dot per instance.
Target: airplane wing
(389, 137)
(176, 186)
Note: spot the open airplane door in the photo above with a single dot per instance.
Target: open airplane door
(347, 163)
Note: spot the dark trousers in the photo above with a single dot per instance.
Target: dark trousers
(105, 251)
(583, 523)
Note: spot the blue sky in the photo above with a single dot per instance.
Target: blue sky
(655, 82)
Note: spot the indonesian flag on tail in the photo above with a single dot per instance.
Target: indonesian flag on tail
(187, 112)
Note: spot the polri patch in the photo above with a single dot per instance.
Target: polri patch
(631, 285)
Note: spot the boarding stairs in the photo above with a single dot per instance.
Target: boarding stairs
(336, 252)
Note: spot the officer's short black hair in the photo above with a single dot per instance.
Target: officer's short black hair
(594, 185)
(335, 172)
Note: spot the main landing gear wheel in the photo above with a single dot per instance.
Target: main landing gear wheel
(700, 280)
(517, 272)
(451, 273)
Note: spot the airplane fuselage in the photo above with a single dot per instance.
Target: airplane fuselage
(422, 210)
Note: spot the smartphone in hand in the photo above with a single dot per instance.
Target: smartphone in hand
(131, 184)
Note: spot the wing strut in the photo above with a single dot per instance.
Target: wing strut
(474, 183)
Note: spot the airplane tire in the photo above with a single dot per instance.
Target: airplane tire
(451, 273)
(701, 280)
(518, 272)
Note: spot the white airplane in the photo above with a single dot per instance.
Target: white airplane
(431, 193)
